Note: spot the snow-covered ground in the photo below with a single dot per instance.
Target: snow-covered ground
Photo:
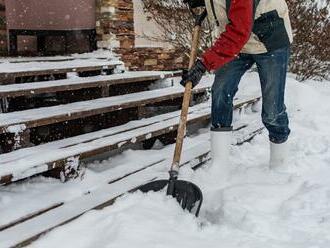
(255, 208)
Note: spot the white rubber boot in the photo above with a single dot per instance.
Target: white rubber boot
(278, 156)
(220, 146)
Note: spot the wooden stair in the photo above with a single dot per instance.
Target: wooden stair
(106, 122)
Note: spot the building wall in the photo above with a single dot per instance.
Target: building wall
(64, 15)
(121, 25)
(115, 23)
(50, 15)
(152, 59)
(3, 29)
(145, 27)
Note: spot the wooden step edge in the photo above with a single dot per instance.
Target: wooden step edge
(47, 71)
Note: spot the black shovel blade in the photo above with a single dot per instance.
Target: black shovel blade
(188, 195)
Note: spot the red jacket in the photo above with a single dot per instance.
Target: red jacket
(236, 35)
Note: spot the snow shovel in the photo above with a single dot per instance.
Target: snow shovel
(188, 195)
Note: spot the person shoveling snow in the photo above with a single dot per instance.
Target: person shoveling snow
(246, 33)
(240, 43)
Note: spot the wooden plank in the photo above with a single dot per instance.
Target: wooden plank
(30, 89)
(50, 115)
(30, 216)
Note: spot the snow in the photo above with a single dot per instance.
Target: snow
(16, 129)
(59, 65)
(323, 4)
(256, 208)
(34, 59)
(98, 54)
(93, 197)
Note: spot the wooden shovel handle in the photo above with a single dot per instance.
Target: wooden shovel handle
(186, 102)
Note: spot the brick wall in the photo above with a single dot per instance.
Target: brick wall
(115, 30)
(158, 59)
(115, 23)
(3, 30)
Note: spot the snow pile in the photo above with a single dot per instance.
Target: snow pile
(105, 55)
(97, 54)
(323, 4)
(256, 208)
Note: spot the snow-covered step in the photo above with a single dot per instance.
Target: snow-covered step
(31, 229)
(88, 184)
(30, 89)
(50, 115)
(9, 71)
(35, 59)
(34, 160)
(30, 161)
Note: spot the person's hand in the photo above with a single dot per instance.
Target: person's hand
(194, 75)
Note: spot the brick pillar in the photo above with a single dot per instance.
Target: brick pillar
(115, 24)
(3, 29)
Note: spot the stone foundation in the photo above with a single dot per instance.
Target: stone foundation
(154, 59)
(115, 24)
(3, 29)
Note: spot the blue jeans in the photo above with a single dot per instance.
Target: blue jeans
(272, 68)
